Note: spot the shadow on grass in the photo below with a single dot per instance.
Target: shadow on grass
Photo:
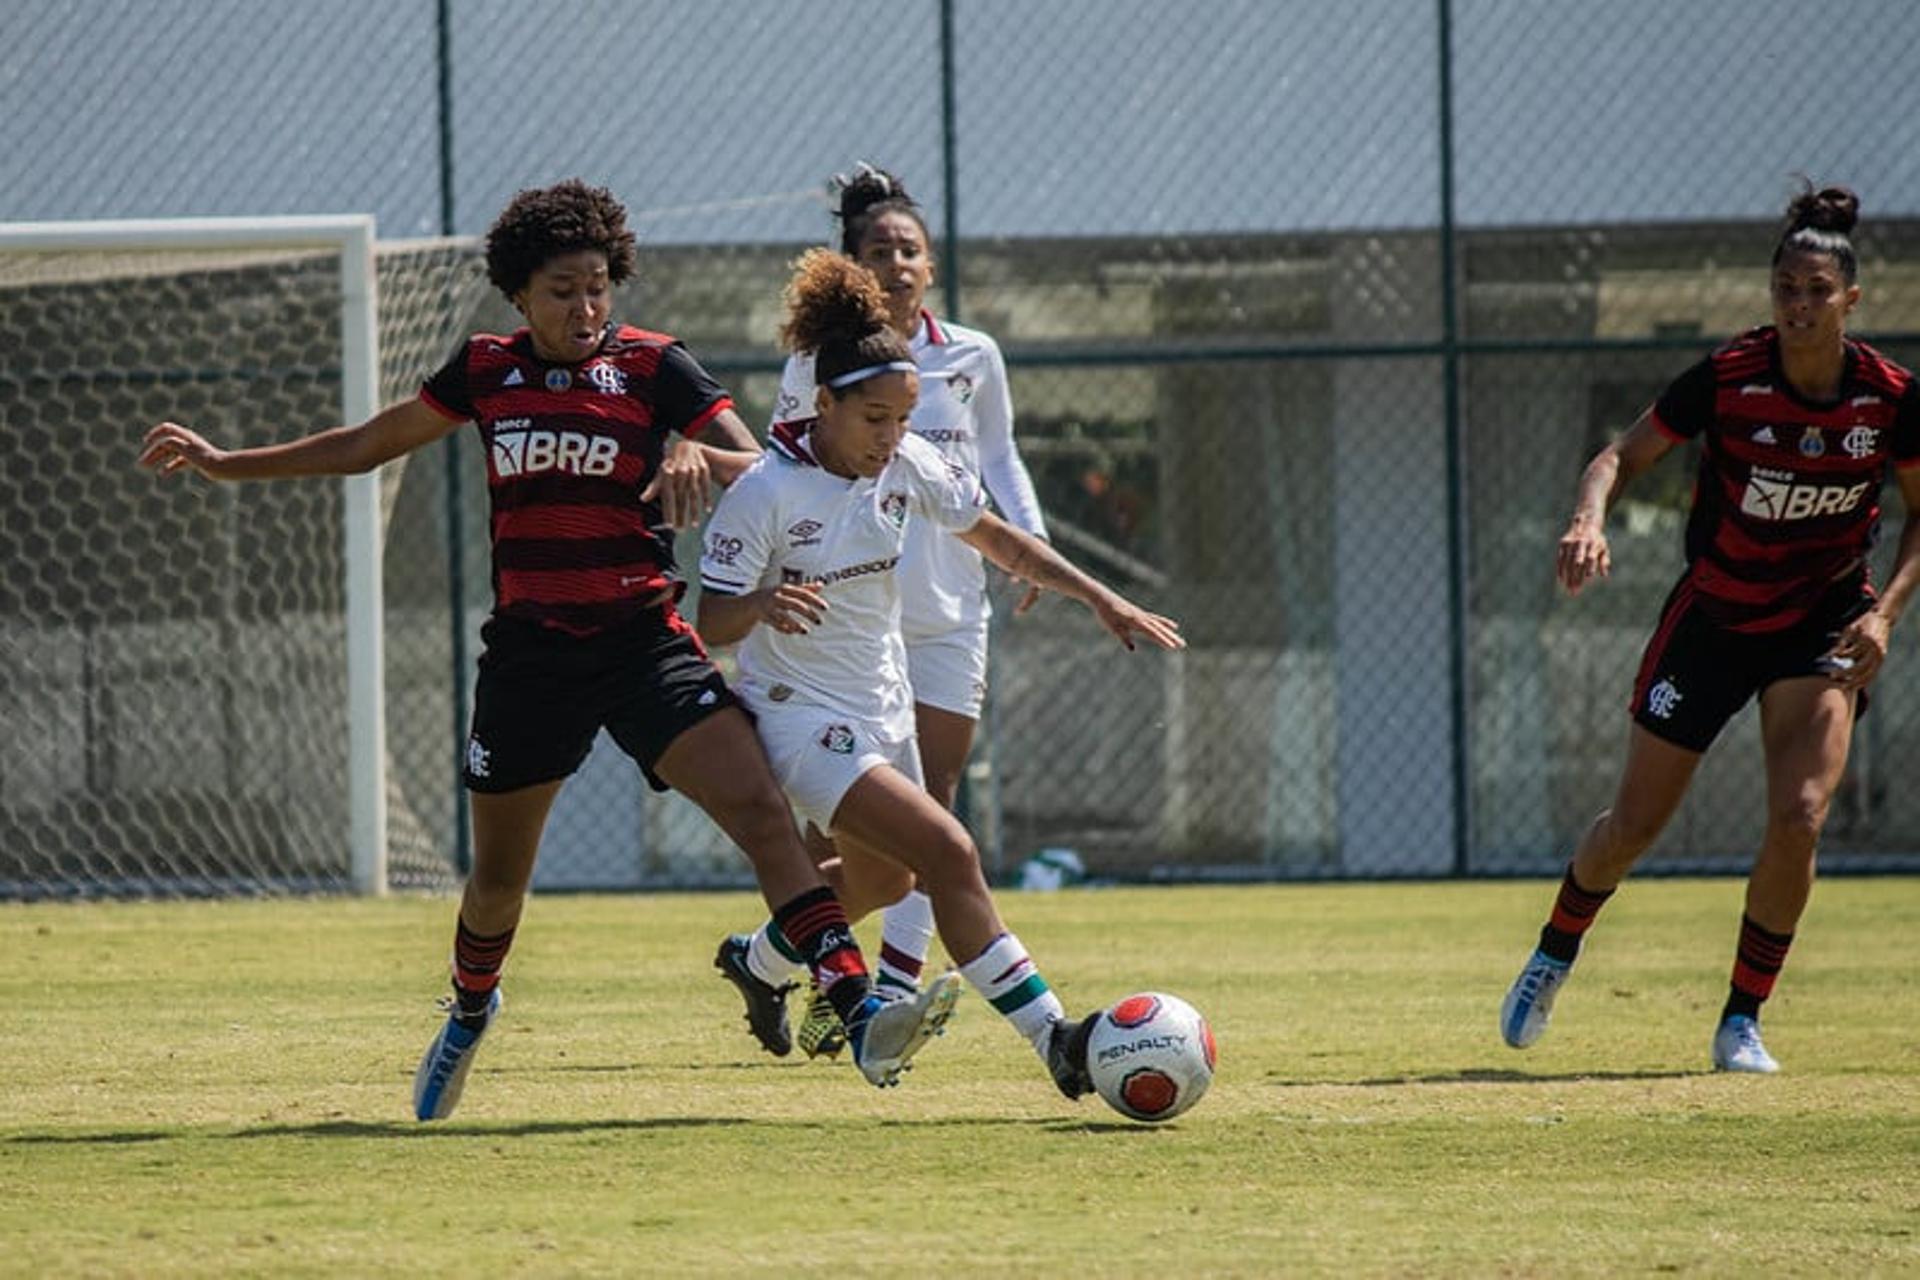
(409, 1129)
(393, 1129)
(1487, 1075)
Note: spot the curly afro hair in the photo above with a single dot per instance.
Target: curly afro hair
(543, 223)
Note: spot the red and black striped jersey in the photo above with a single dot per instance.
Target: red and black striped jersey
(1787, 499)
(569, 448)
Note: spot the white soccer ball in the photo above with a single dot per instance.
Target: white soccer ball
(1151, 1056)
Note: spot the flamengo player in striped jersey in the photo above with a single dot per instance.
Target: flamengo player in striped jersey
(966, 412)
(802, 569)
(1798, 424)
(574, 412)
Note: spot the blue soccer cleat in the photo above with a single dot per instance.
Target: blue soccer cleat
(443, 1072)
(1529, 1002)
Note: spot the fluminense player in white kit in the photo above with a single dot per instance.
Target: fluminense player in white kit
(802, 568)
(966, 412)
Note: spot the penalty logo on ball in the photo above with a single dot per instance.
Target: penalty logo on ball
(1151, 1056)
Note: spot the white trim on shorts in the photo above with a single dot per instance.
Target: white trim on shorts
(818, 753)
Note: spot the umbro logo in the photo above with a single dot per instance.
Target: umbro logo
(804, 533)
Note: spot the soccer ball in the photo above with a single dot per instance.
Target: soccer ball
(1151, 1056)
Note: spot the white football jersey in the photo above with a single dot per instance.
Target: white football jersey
(790, 520)
(966, 412)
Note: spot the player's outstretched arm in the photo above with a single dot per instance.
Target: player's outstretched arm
(338, 451)
(1583, 553)
(1027, 557)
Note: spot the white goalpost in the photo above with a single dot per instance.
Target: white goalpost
(46, 264)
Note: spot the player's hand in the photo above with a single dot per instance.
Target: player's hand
(793, 608)
(170, 447)
(681, 485)
(1584, 555)
(1027, 601)
(1126, 620)
(1855, 658)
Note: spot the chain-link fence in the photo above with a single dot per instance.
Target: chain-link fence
(1313, 315)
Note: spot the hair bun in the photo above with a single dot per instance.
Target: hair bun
(865, 187)
(831, 297)
(1834, 209)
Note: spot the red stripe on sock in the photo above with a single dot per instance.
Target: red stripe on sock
(476, 980)
(813, 920)
(1754, 982)
(898, 959)
(1574, 908)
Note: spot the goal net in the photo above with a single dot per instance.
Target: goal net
(201, 689)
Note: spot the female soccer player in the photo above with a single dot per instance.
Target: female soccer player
(1799, 423)
(966, 412)
(802, 567)
(574, 413)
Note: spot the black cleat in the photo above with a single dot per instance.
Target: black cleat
(766, 1003)
(1067, 1056)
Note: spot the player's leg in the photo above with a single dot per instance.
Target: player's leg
(863, 885)
(906, 925)
(889, 812)
(1806, 726)
(948, 674)
(720, 765)
(506, 841)
(865, 882)
(533, 723)
(1693, 676)
(1651, 787)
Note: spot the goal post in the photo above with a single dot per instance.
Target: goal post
(350, 239)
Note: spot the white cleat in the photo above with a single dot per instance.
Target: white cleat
(892, 1031)
(1529, 1002)
(1737, 1047)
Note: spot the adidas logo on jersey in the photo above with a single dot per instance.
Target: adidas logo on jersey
(1764, 436)
(519, 453)
(514, 378)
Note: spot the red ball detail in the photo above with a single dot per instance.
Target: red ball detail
(1206, 1042)
(1134, 1010)
(1149, 1092)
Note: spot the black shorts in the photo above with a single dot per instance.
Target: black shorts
(542, 695)
(1695, 673)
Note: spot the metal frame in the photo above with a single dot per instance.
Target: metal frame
(351, 236)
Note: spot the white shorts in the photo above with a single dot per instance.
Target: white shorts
(818, 754)
(949, 671)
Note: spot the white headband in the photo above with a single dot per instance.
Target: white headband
(872, 370)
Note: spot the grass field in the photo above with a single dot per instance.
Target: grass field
(223, 1088)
